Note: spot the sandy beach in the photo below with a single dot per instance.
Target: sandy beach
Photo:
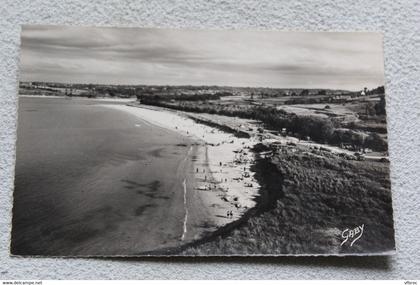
(222, 162)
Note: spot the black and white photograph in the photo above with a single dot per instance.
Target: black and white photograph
(183, 142)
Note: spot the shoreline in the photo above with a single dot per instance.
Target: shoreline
(222, 168)
(270, 215)
(262, 167)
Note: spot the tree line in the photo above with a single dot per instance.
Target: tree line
(318, 129)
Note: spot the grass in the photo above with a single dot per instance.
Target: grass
(306, 201)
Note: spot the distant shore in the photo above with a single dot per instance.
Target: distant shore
(103, 99)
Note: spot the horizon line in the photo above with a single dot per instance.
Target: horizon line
(193, 85)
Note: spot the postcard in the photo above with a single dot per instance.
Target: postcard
(166, 142)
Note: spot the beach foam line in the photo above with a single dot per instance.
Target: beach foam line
(184, 184)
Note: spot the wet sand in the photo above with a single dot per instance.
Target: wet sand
(223, 175)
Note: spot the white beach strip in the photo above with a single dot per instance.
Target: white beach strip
(41, 96)
(184, 232)
(229, 157)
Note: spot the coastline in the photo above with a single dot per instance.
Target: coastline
(221, 166)
(264, 171)
(278, 207)
(284, 179)
(210, 151)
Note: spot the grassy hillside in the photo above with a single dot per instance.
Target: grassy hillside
(308, 199)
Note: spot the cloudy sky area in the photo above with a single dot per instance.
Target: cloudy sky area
(201, 57)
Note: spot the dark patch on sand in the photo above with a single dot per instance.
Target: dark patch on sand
(150, 191)
(154, 196)
(156, 152)
(152, 186)
(141, 209)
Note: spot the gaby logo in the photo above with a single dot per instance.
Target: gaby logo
(352, 235)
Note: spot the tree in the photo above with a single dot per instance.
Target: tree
(305, 92)
(380, 106)
(376, 142)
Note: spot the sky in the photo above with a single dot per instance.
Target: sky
(104, 55)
